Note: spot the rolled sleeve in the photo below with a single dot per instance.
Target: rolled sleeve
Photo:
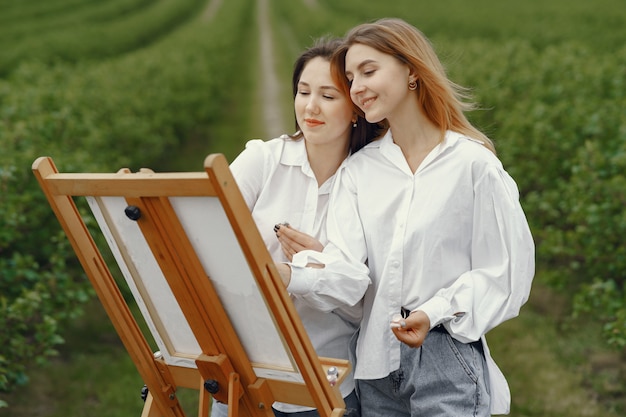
(503, 264)
(336, 286)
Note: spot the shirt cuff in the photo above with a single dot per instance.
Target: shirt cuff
(437, 309)
(302, 280)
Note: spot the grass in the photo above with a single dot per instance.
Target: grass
(93, 375)
(541, 385)
(548, 368)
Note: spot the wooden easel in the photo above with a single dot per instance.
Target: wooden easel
(215, 355)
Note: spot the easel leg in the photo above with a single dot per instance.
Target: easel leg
(233, 395)
(150, 409)
(204, 402)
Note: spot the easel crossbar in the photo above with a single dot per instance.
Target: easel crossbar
(131, 184)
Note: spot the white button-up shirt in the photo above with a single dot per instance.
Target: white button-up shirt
(450, 239)
(279, 186)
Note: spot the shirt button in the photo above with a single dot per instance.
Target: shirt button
(395, 264)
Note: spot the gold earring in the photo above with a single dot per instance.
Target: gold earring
(412, 85)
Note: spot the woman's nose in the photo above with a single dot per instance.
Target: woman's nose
(312, 105)
(356, 87)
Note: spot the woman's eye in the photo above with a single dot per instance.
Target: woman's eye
(329, 97)
(303, 93)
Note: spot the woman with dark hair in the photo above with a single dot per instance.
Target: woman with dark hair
(286, 183)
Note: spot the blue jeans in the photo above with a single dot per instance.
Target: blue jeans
(442, 378)
(352, 409)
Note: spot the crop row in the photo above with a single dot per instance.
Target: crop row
(128, 110)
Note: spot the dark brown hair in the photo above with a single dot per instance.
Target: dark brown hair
(325, 48)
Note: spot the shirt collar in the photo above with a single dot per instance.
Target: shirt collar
(449, 140)
(394, 153)
(294, 152)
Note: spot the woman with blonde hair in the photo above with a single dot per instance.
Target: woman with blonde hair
(429, 214)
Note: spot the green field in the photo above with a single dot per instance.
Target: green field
(100, 85)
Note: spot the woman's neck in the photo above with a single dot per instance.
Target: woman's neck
(325, 160)
(416, 135)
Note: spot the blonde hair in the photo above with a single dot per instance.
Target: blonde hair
(443, 101)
